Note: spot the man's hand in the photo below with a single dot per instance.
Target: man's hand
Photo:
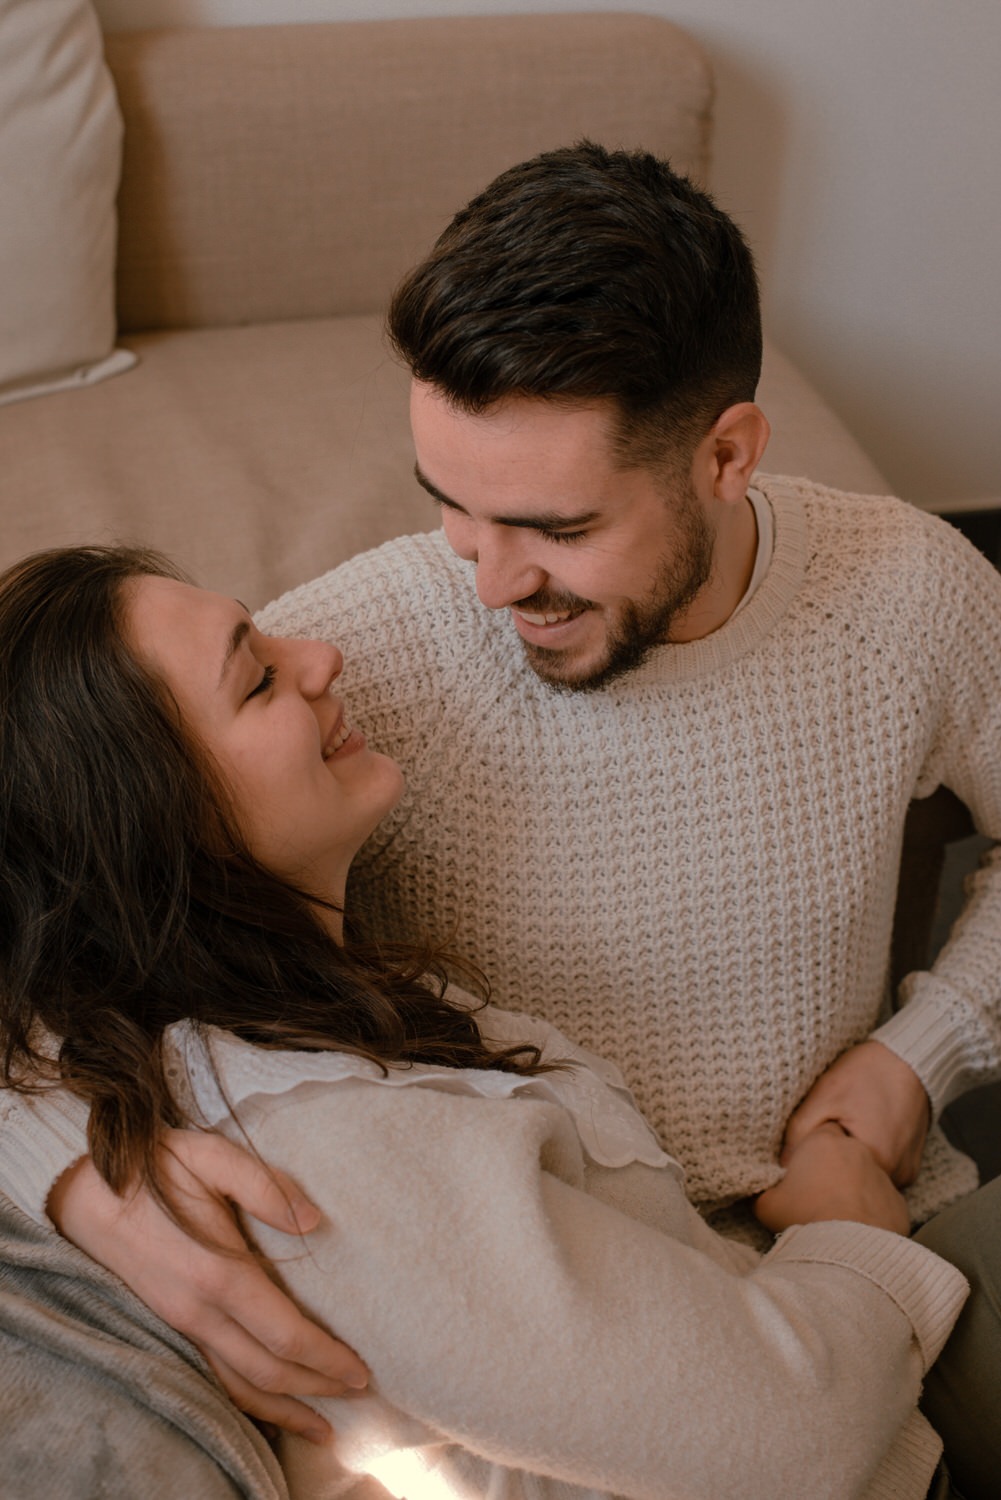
(876, 1097)
(829, 1175)
(264, 1351)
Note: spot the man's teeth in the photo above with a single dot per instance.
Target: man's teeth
(338, 740)
(548, 619)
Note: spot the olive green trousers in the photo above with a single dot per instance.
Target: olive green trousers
(962, 1394)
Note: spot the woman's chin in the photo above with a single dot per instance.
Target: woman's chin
(395, 786)
(383, 793)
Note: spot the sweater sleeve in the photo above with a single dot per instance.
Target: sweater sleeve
(949, 1025)
(41, 1135)
(503, 1309)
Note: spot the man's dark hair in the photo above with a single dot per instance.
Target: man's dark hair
(586, 274)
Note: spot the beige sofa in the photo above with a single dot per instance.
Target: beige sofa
(275, 183)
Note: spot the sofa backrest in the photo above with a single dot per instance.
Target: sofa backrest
(389, 125)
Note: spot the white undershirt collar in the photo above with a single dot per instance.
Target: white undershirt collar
(765, 523)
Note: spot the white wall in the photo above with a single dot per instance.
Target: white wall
(859, 143)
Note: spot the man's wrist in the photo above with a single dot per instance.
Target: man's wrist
(924, 1035)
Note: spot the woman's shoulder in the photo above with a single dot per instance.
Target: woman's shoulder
(414, 1135)
(215, 1075)
(590, 1088)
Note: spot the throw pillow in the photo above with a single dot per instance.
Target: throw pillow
(60, 155)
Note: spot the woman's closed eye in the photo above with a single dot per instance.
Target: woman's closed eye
(267, 679)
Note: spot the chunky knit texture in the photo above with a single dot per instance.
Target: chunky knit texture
(692, 871)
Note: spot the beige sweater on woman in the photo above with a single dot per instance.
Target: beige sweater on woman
(536, 1318)
(544, 1314)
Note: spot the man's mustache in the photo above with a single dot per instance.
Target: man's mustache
(545, 602)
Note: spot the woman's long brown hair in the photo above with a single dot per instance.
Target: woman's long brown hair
(129, 898)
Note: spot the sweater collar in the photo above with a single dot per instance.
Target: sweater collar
(750, 625)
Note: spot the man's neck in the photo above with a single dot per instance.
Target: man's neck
(734, 554)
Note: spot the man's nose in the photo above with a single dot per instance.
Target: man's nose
(506, 570)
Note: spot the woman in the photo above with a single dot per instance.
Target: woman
(507, 1246)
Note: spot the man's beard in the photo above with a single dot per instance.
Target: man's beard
(642, 624)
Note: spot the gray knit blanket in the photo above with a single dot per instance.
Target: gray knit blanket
(100, 1400)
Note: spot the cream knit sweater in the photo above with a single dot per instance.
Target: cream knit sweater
(544, 1314)
(692, 871)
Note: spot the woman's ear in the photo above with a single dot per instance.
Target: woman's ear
(736, 443)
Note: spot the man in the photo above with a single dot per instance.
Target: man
(657, 785)
(659, 768)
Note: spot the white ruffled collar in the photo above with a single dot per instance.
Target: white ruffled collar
(612, 1131)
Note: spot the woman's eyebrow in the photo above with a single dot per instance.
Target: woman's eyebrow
(238, 635)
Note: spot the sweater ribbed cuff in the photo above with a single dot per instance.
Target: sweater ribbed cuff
(41, 1135)
(924, 1034)
(928, 1291)
(909, 1466)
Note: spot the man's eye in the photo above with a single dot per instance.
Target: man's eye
(564, 536)
(266, 681)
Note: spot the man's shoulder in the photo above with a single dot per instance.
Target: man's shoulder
(410, 578)
(867, 534)
(827, 504)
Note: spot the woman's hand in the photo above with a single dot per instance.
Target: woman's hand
(263, 1350)
(832, 1175)
(878, 1098)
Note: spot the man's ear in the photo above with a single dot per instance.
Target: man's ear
(735, 445)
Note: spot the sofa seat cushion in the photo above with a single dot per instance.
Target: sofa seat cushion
(256, 456)
(261, 456)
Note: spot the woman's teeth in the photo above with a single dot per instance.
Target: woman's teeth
(338, 740)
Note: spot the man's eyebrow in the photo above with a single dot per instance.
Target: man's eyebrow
(433, 490)
(547, 520)
(237, 636)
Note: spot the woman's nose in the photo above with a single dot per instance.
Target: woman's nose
(319, 664)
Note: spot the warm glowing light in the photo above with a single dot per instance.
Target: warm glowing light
(407, 1474)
